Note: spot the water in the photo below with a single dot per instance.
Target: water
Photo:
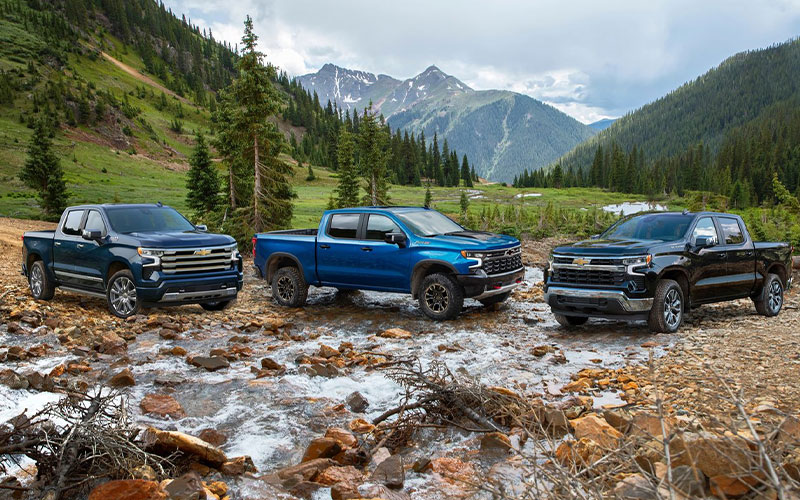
(634, 207)
(527, 195)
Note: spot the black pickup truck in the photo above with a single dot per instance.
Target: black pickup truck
(657, 266)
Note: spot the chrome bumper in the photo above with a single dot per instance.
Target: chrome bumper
(204, 295)
(627, 303)
(502, 289)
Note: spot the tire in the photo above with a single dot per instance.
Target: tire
(669, 305)
(440, 297)
(495, 299)
(770, 301)
(570, 321)
(289, 288)
(121, 295)
(218, 305)
(41, 286)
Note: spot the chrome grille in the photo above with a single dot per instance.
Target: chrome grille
(192, 260)
(502, 261)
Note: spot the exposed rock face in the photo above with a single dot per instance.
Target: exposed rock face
(162, 405)
(129, 489)
(169, 441)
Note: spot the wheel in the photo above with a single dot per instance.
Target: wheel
(440, 297)
(41, 286)
(770, 301)
(495, 299)
(218, 305)
(569, 321)
(666, 315)
(289, 289)
(121, 295)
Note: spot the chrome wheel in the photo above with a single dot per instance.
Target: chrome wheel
(37, 281)
(436, 298)
(672, 308)
(285, 288)
(123, 296)
(775, 296)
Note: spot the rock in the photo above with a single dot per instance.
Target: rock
(327, 352)
(128, 489)
(122, 379)
(731, 486)
(210, 363)
(170, 441)
(144, 472)
(688, 480)
(789, 432)
(39, 382)
(218, 488)
(581, 453)
(344, 491)
(598, 430)
(379, 491)
(306, 470)
(356, 402)
(320, 370)
(714, 455)
(635, 487)
(237, 466)
(580, 385)
(16, 353)
(13, 380)
(177, 351)
(390, 472)
(169, 380)
(649, 425)
(303, 489)
(618, 418)
(379, 456)
(111, 343)
(213, 437)
(360, 426)
(187, 487)
(541, 350)
(168, 334)
(495, 443)
(162, 405)
(323, 447)
(396, 333)
(346, 474)
(555, 420)
(344, 437)
(271, 364)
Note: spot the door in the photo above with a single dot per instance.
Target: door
(65, 248)
(741, 262)
(91, 255)
(339, 251)
(385, 265)
(708, 264)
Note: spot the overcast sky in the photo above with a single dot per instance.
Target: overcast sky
(591, 59)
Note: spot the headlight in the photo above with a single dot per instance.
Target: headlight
(641, 260)
(473, 255)
(550, 262)
(149, 252)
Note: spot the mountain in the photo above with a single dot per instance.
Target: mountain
(501, 132)
(602, 124)
(740, 90)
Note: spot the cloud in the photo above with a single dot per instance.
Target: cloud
(590, 59)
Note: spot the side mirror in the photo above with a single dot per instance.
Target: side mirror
(91, 235)
(398, 239)
(201, 227)
(594, 236)
(704, 242)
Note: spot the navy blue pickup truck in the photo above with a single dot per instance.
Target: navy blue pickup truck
(391, 249)
(134, 256)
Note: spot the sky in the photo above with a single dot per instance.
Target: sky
(590, 59)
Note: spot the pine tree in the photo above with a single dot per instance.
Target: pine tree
(202, 182)
(310, 177)
(428, 196)
(464, 205)
(42, 172)
(466, 174)
(373, 140)
(347, 189)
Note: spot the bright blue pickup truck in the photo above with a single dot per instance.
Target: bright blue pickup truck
(391, 249)
(133, 256)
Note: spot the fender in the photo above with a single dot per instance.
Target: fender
(420, 268)
(278, 255)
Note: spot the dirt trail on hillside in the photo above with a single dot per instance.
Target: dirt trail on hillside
(143, 78)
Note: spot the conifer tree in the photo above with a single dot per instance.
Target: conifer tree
(347, 189)
(310, 177)
(466, 174)
(464, 205)
(373, 157)
(202, 181)
(428, 195)
(42, 171)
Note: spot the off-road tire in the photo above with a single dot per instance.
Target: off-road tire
(570, 321)
(218, 305)
(41, 286)
(440, 297)
(770, 300)
(289, 288)
(669, 307)
(121, 295)
(495, 299)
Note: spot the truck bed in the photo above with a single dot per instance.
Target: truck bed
(300, 244)
(46, 234)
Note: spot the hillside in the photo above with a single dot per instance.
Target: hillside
(736, 92)
(502, 132)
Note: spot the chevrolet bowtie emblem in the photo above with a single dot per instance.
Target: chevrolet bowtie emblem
(202, 253)
(580, 261)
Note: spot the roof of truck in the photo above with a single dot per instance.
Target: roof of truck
(120, 205)
(393, 209)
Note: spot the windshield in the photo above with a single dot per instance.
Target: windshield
(147, 219)
(663, 227)
(429, 223)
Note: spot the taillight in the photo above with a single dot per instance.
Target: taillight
(254, 247)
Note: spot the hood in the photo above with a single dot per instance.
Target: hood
(607, 247)
(181, 239)
(474, 240)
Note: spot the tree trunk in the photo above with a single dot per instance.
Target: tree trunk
(256, 187)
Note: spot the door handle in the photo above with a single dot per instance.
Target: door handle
(366, 249)
(722, 255)
(749, 253)
(80, 245)
(57, 243)
(324, 246)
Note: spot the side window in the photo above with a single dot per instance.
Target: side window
(379, 226)
(731, 232)
(72, 224)
(705, 228)
(94, 222)
(344, 226)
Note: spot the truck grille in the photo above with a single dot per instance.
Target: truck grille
(503, 261)
(193, 260)
(588, 277)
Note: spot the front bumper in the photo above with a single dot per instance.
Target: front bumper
(480, 287)
(595, 302)
(180, 290)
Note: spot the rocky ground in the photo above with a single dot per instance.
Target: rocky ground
(288, 401)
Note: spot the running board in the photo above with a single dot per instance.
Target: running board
(83, 292)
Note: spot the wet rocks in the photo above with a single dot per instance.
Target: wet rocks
(395, 333)
(344, 437)
(324, 447)
(713, 454)
(13, 380)
(170, 441)
(328, 370)
(237, 466)
(596, 429)
(161, 405)
(213, 437)
(495, 444)
(187, 487)
(128, 489)
(39, 382)
(356, 402)
(327, 352)
(111, 343)
(343, 474)
(360, 426)
(375, 491)
(390, 472)
(541, 350)
(271, 364)
(168, 334)
(122, 379)
(210, 363)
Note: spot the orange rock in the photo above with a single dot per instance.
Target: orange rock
(57, 371)
(454, 471)
(731, 486)
(323, 447)
(578, 453)
(129, 489)
(218, 488)
(579, 385)
(170, 441)
(361, 426)
(344, 437)
(347, 474)
(162, 405)
(597, 429)
(395, 333)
